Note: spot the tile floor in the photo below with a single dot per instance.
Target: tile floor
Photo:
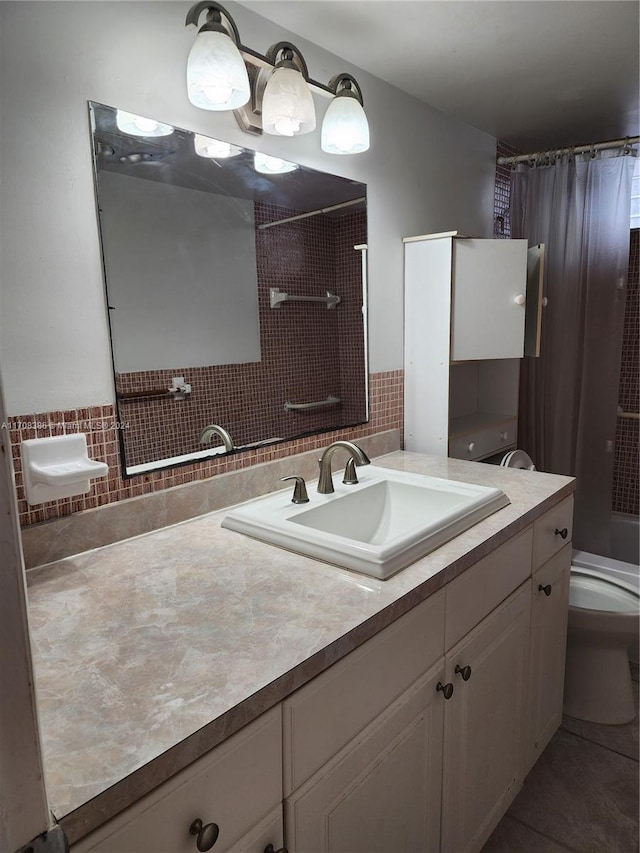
(581, 796)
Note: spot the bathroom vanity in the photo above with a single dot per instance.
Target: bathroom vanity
(291, 702)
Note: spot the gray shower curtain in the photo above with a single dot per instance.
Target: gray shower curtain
(579, 207)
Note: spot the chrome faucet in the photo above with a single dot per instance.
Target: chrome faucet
(213, 429)
(357, 454)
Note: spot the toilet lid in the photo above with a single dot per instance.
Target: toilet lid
(518, 459)
(593, 592)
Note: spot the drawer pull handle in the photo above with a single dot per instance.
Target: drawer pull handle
(207, 834)
(446, 689)
(471, 447)
(564, 532)
(546, 589)
(464, 671)
(269, 849)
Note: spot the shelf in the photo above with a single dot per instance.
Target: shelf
(470, 424)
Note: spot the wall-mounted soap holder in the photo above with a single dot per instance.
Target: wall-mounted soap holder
(58, 467)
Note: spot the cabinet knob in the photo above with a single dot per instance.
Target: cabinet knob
(269, 849)
(545, 301)
(564, 532)
(464, 671)
(207, 834)
(446, 689)
(546, 589)
(503, 436)
(471, 447)
(520, 299)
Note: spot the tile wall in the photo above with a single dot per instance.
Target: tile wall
(101, 427)
(626, 475)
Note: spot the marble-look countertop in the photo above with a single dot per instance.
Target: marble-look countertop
(151, 651)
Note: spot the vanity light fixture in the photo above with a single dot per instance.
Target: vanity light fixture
(136, 125)
(213, 149)
(274, 94)
(287, 103)
(268, 165)
(217, 77)
(345, 129)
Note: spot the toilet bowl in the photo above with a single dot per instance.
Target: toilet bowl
(604, 604)
(603, 622)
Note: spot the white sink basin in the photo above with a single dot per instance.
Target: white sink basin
(387, 521)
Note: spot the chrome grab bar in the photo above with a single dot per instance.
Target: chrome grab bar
(297, 407)
(277, 297)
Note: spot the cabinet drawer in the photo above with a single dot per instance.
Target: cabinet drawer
(483, 442)
(325, 714)
(470, 597)
(235, 786)
(547, 532)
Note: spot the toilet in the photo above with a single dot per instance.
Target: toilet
(604, 620)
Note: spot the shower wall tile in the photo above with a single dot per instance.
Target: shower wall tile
(502, 193)
(102, 429)
(626, 476)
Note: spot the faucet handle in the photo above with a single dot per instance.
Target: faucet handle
(300, 495)
(350, 477)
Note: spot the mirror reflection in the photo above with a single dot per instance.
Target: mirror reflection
(235, 289)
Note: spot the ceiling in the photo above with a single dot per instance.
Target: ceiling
(535, 73)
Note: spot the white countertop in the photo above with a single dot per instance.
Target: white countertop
(150, 651)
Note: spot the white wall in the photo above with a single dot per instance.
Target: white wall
(181, 275)
(424, 171)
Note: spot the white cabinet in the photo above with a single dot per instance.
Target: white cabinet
(236, 786)
(550, 601)
(381, 793)
(484, 722)
(465, 310)
(549, 611)
(437, 768)
(488, 298)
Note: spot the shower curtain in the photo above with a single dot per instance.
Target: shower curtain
(579, 207)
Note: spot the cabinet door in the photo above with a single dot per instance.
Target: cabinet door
(483, 729)
(488, 304)
(382, 792)
(549, 611)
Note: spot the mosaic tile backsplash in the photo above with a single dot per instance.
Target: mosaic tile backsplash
(101, 427)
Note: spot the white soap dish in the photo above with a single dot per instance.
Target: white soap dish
(58, 467)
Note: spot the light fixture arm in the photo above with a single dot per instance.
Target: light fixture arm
(345, 85)
(283, 54)
(218, 20)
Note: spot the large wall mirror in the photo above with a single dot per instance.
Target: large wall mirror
(236, 292)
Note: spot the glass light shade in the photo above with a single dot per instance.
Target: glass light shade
(140, 126)
(345, 129)
(268, 165)
(213, 148)
(287, 104)
(217, 77)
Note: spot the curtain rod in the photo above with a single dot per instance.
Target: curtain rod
(575, 149)
(312, 213)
